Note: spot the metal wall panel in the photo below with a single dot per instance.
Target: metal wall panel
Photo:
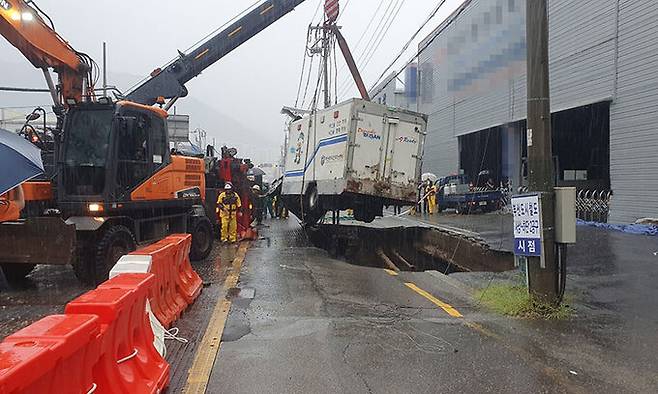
(476, 64)
(634, 114)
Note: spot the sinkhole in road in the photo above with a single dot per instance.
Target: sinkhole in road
(409, 248)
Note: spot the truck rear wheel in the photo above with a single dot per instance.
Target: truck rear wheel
(16, 272)
(95, 261)
(202, 239)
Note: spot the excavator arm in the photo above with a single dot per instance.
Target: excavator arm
(26, 30)
(170, 82)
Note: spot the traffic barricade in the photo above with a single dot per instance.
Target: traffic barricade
(53, 355)
(177, 284)
(128, 363)
(166, 302)
(189, 283)
(142, 264)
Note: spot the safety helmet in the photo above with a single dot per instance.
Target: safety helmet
(228, 186)
(256, 187)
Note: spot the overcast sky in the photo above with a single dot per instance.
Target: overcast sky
(252, 83)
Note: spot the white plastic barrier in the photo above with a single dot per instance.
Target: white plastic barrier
(142, 264)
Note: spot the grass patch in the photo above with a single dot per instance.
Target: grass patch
(514, 300)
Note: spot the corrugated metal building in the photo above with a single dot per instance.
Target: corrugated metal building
(604, 95)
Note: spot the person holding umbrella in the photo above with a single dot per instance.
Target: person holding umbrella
(24, 159)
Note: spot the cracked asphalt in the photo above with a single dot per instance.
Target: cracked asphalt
(303, 322)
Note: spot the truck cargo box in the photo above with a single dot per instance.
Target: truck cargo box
(355, 155)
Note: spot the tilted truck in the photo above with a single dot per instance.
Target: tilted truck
(355, 155)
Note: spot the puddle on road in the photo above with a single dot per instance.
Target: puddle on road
(409, 249)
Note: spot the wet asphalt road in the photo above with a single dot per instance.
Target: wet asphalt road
(304, 322)
(44, 292)
(309, 323)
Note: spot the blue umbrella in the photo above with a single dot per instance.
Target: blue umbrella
(19, 159)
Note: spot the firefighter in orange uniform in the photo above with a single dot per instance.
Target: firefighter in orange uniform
(228, 204)
(10, 208)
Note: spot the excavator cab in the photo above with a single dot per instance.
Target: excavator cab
(108, 150)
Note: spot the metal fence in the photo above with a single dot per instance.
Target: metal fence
(593, 205)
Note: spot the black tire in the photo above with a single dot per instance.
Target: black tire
(202, 239)
(312, 199)
(95, 261)
(16, 272)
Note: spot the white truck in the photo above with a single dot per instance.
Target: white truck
(355, 155)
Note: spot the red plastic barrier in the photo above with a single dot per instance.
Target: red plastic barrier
(128, 361)
(188, 281)
(54, 355)
(177, 284)
(166, 303)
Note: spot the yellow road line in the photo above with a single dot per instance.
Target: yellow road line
(204, 359)
(447, 308)
(390, 272)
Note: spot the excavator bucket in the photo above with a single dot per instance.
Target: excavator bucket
(41, 240)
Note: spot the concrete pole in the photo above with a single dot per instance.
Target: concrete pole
(325, 59)
(104, 69)
(543, 284)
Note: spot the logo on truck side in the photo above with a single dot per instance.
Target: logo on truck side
(406, 140)
(331, 159)
(370, 134)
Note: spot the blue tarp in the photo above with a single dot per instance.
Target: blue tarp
(639, 229)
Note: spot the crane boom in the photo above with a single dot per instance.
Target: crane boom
(170, 82)
(26, 30)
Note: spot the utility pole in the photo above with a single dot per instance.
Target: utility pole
(104, 69)
(325, 60)
(542, 274)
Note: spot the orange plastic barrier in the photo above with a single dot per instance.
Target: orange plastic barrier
(177, 284)
(188, 281)
(128, 361)
(54, 355)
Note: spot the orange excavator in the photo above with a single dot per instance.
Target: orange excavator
(116, 183)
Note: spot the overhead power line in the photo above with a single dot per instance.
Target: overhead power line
(23, 90)
(423, 48)
(374, 37)
(413, 37)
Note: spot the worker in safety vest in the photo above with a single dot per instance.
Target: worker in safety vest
(228, 204)
(11, 204)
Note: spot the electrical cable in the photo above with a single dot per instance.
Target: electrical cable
(301, 77)
(375, 33)
(308, 81)
(372, 54)
(408, 43)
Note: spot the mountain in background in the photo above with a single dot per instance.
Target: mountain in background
(223, 128)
